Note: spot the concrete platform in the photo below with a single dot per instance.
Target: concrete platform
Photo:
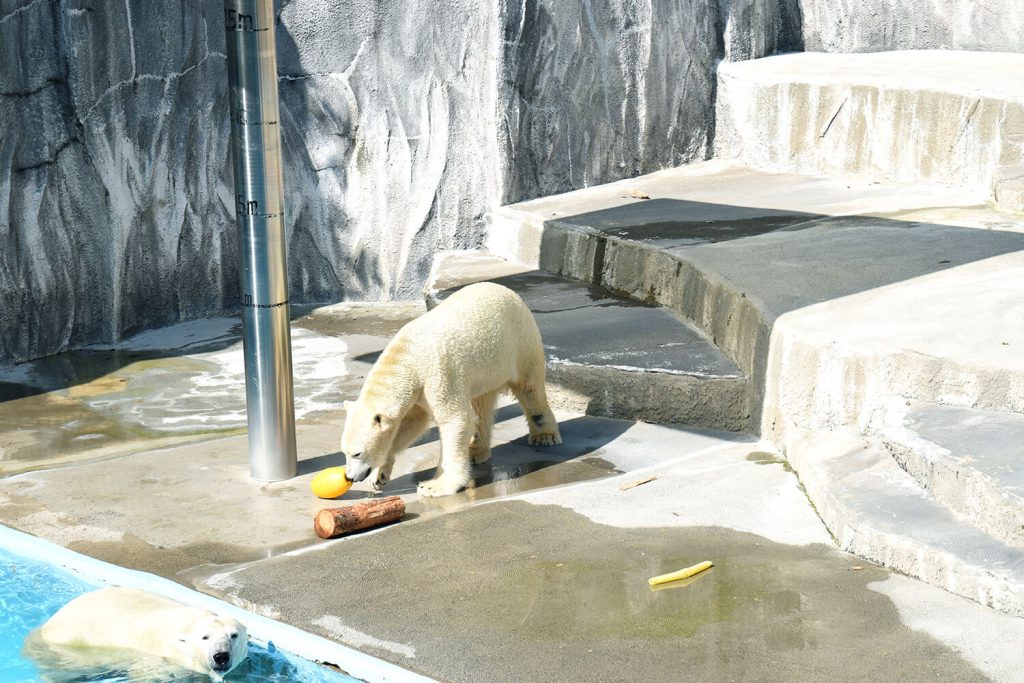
(839, 300)
(950, 117)
(599, 363)
(734, 249)
(552, 585)
(538, 572)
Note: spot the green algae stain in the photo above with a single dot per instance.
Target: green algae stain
(766, 458)
(602, 599)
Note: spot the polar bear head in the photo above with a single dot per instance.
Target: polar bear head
(215, 645)
(366, 441)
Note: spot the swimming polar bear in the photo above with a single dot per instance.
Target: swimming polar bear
(118, 624)
(449, 365)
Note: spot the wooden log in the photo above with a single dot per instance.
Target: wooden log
(333, 522)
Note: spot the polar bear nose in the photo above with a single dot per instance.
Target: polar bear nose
(355, 470)
(221, 658)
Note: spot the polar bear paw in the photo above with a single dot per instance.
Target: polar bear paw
(477, 453)
(545, 439)
(380, 476)
(433, 488)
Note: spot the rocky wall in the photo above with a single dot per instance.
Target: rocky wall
(603, 89)
(752, 29)
(404, 124)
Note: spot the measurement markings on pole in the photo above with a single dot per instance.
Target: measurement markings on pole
(247, 302)
(243, 23)
(242, 119)
(246, 207)
(251, 207)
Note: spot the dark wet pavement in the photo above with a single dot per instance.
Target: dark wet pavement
(666, 222)
(513, 591)
(584, 324)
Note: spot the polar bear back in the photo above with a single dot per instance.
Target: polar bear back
(483, 331)
(122, 618)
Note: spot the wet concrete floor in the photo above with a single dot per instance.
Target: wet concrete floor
(177, 385)
(513, 591)
(129, 510)
(550, 586)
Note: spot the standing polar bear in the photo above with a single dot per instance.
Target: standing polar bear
(449, 366)
(120, 625)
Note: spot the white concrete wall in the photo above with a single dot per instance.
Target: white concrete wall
(944, 117)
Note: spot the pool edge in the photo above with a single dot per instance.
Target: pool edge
(261, 629)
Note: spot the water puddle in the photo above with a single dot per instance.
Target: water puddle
(527, 588)
(158, 388)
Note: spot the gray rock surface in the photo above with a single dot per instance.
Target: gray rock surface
(113, 167)
(752, 29)
(875, 25)
(404, 124)
(602, 90)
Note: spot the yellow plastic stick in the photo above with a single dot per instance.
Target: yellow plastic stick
(681, 574)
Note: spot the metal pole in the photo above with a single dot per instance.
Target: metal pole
(259, 210)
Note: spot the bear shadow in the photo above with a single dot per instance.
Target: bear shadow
(519, 466)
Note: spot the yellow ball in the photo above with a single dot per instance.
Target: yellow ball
(331, 483)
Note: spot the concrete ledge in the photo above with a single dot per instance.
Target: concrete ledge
(733, 249)
(950, 337)
(734, 322)
(908, 117)
(703, 403)
(597, 364)
(877, 511)
(969, 460)
(646, 273)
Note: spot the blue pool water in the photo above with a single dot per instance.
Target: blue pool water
(30, 592)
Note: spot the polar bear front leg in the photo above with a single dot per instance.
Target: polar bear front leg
(453, 469)
(413, 425)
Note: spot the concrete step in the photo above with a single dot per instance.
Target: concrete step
(838, 299)
(968, 459)
(735, 250)
(877, 510)
(941, 116)
(609, 355)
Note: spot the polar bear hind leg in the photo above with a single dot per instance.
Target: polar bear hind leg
(480, 444)
(541, 421)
